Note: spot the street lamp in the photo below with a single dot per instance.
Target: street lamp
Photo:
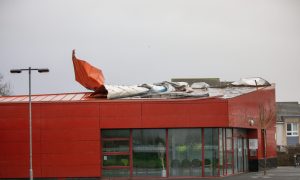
(43, 70)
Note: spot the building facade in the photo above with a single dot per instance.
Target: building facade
(76, 136)
(287, 125)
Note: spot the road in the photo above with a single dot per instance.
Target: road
(280, 173)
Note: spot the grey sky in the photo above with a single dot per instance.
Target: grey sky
(136, 41)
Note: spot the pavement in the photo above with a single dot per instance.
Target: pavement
(279, 173)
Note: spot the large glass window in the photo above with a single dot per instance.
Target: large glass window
(240, 155)
(115, 146)
(221, 151)
(229, 152)
(116, 133)
(115, 172)
(245, 155)
(292, 129)
(211, 140)
(149, 152)
(116, 160)
(116, 153)
(191, 152)
(185, 152)
(235, 148)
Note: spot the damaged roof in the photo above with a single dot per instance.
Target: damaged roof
(92, 78)
(222, 93)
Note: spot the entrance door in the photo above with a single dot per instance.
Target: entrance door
(240, 155)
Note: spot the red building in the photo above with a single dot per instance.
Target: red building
(76, 136)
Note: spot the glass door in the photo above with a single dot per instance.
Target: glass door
(240, 155)
(245, 154)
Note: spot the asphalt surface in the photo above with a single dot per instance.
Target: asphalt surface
(280, 173)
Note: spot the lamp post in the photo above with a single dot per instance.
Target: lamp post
(43, 70)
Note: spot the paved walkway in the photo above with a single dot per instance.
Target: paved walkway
(280, 173)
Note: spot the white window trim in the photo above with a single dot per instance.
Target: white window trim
(294, 133)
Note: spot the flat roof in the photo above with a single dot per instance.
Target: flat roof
(222, 93)
(81, 96)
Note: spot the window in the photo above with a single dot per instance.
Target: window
(211, 147)
(149, 152)
(185, 152)
(292, 129)
(116, 152)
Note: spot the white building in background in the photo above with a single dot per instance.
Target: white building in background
(288, 124)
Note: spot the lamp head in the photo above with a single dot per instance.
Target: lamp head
(44, 70)
(15, 71)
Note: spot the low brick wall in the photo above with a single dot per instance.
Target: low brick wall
(258, 165)
(286, 158)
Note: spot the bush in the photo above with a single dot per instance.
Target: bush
(196, 163)
(185, 163)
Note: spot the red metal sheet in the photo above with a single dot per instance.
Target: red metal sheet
(120, 115)
(87, 75)
(19, 135)
(70, 147)
(247, 106)
(69, 110)
(19, 148)
(65, 135)
(18, 171)
(71, 171)
(70, 159)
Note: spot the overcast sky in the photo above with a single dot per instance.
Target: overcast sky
(146, 41)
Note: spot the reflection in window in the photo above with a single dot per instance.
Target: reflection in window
(116, 133)
(235, 148)
(115, 160)
(116, 146)
(149, 152)
(115, 153)
(115, 172)
(221, 150)
(229, 151)
(245, 155)
(185, 152)
(211, 140)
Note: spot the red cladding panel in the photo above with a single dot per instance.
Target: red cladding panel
(19, 135)
(158, 115)
(18, 171)
(69, 110)
(70, 159)
(13, 111)
(271, 142)
(14, 123)
(120, 115)
(185, 113)
(18, 148)
(248, 106)
(71, 147)
(70, 123)
(208, 114)
(71, 171)
(65, 135)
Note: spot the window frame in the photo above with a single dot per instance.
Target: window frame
(294, 131)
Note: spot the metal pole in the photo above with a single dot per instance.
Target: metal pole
(265, 152)
(30, 128)
(40, 70)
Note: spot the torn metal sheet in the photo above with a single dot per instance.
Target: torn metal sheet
(255, 81)
(92, 78)
(117, 92)
(87, 75)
